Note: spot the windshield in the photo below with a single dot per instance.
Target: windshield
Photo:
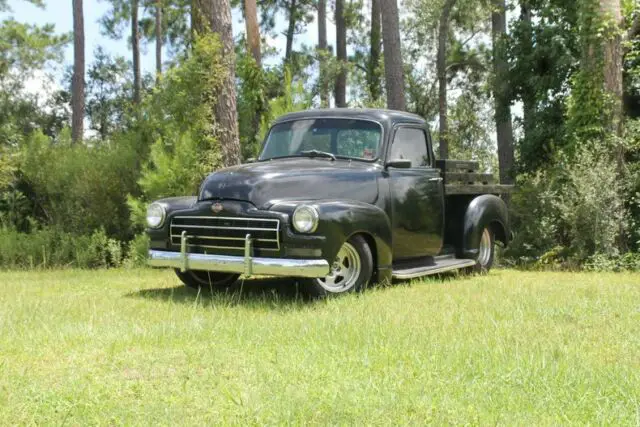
(354, 139)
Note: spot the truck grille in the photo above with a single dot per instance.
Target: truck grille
(227, 232)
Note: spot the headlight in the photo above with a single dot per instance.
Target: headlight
(155, 215)
(305, 219)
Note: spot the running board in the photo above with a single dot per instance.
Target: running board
(441, 265)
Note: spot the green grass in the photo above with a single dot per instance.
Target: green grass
(133, 347)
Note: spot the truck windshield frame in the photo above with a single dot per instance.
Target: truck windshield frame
(352, 139)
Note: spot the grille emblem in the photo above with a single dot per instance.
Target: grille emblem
(217, 208)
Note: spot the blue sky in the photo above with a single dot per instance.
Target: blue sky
(59, 12)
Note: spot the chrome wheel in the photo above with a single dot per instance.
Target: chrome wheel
(484, 252)
(344, 272)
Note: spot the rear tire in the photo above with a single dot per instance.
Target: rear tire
(350, 272)
(486, 252)
(207, 280)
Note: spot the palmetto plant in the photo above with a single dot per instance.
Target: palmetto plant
(14, 209)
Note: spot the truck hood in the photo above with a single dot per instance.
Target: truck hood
(265, 183)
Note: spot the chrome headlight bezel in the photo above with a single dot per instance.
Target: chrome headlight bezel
(305, 225)
(156, 215)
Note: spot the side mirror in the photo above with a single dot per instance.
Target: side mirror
(398, 164)
(251, 160)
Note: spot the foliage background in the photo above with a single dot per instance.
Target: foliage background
(577, 203)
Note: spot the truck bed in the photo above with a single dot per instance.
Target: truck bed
(463, 178)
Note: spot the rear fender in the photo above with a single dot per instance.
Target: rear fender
(484, 211)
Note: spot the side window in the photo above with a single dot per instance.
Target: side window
(410, 144)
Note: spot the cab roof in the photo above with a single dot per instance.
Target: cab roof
(387, 118)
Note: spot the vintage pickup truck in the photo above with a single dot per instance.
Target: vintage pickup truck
(339, 198)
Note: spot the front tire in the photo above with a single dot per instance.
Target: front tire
(207, 280)
(351, 271)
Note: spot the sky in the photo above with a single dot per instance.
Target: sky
(59, 12)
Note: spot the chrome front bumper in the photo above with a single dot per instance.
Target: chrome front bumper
(247, 264)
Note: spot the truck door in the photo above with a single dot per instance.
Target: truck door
(417, 196)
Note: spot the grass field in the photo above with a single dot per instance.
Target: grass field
(134, 347)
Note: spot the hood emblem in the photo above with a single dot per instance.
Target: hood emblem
(217, 207)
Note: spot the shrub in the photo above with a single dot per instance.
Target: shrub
(15, 210)
(632, 147)
(627, 262)
(137, 251)
(79, 189)
(7, 168)
(571, 212)
(52, 247)
(535, 218)
(591, 205)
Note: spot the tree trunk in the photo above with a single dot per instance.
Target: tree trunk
(135, 47)
(225, 109)
(504, 124)
(253, 45)
(253, 30)
(77, 82)
(611, 11)
(528, 95)
(394, 73)
(340, 90)
(290, 30)
(373, 75)
(613, 61)
(323, 52)
(201, 11)
(443, 40)
(158, 38)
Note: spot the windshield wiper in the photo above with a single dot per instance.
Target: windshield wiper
(318, 153)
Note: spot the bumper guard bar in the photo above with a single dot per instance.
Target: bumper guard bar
(247, 264)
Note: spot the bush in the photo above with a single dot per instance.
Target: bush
(79, 189)
(632, 147)
(627, 262)
(51, 247)
(137, 251)
(15, 210)
(7, 168)
(570, 213)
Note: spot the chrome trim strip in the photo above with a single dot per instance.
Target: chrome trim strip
(228, 217)
(225, 238)
(311, 268)
(230, 248)
(217, 227)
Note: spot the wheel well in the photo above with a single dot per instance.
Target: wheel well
(499, 232)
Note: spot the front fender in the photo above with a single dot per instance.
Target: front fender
(341, 219)
(484, 211)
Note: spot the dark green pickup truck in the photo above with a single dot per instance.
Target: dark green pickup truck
(340, 198)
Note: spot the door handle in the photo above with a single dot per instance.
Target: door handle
(435, 179)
